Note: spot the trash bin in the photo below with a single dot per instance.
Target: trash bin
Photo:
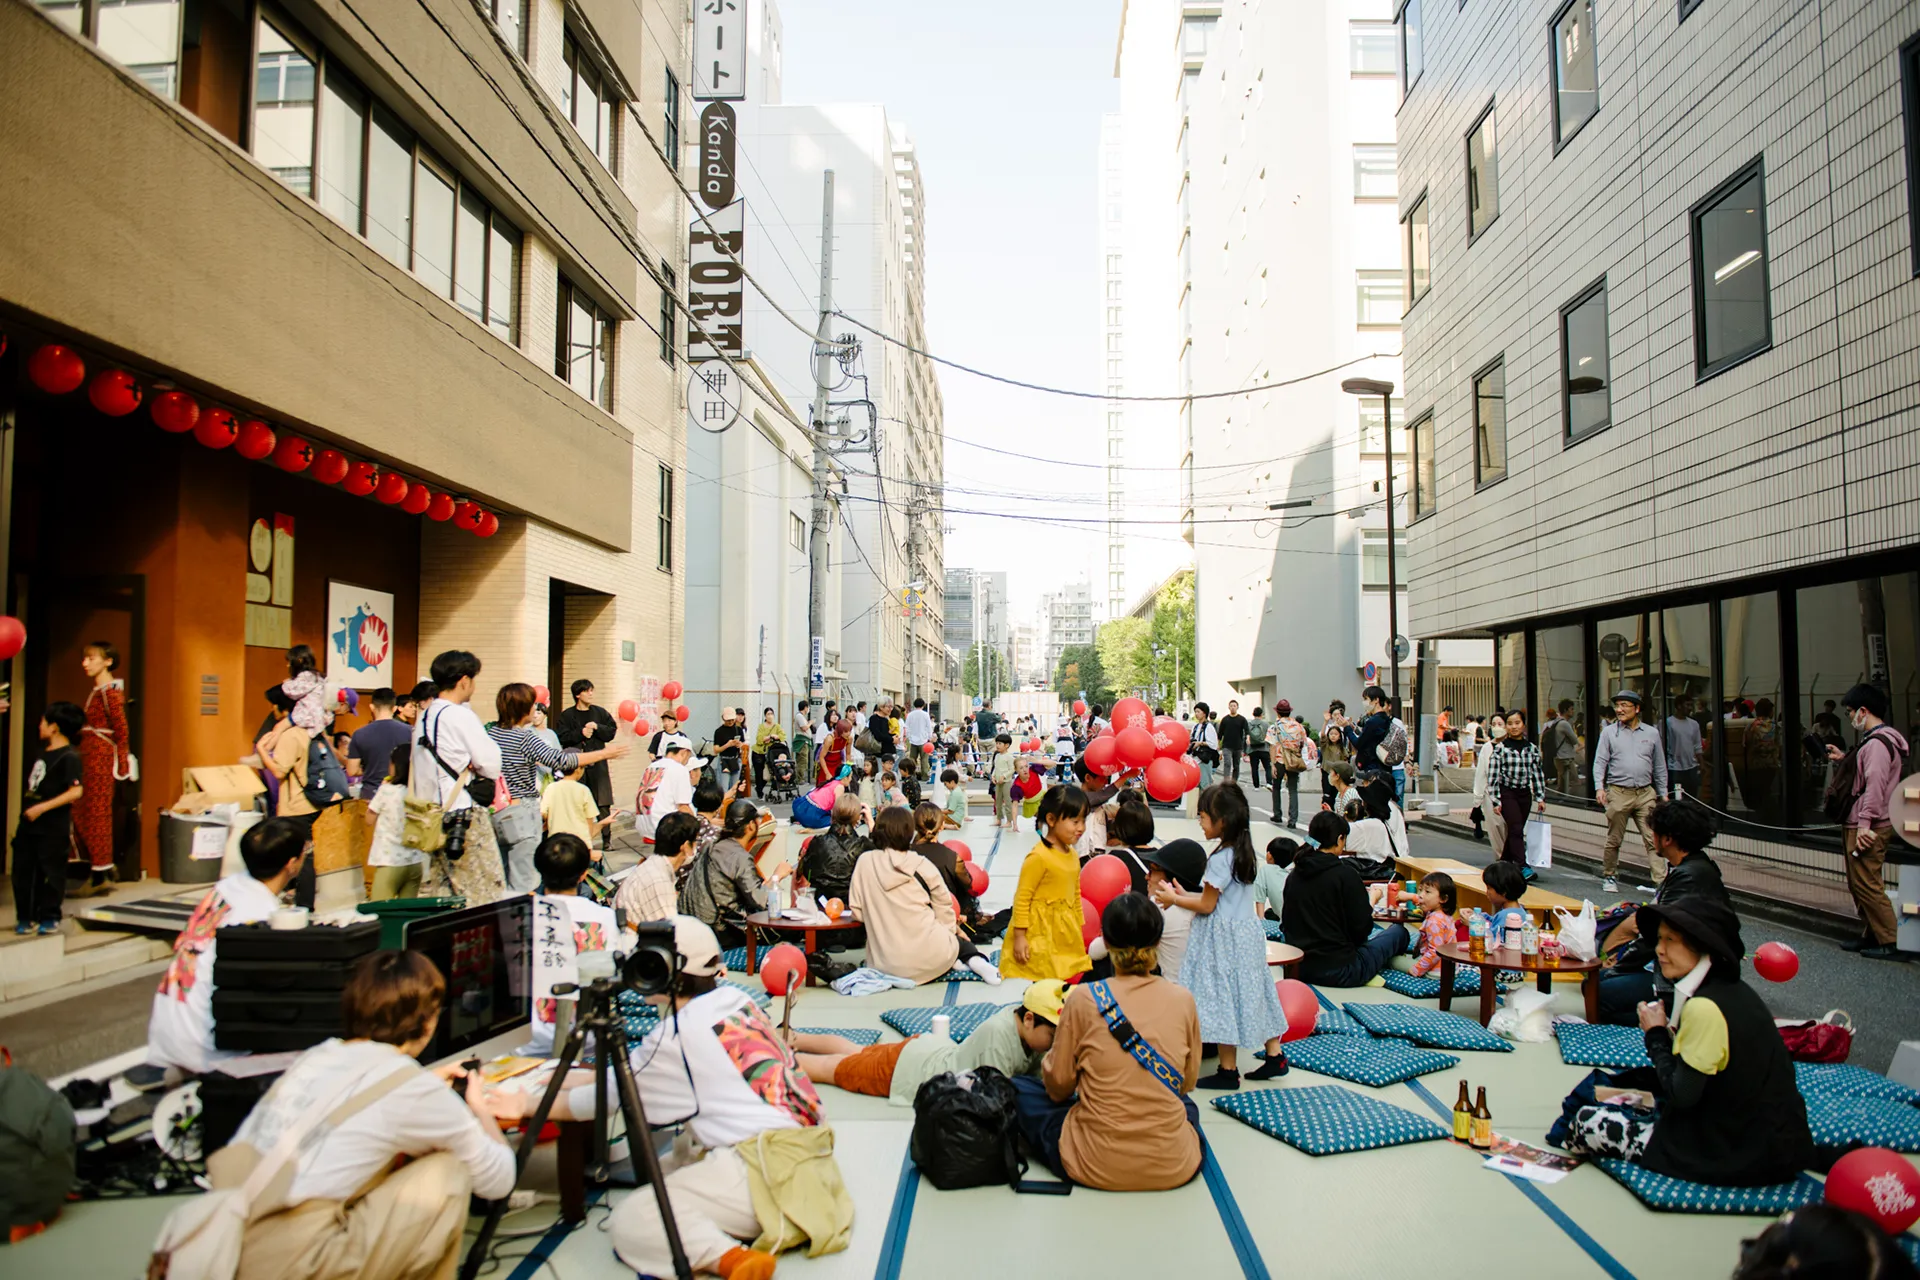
(395, 914)
(191, 846)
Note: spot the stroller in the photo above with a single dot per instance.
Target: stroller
(780, 774)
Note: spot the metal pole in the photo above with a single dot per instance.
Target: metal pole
(822, 433)
(1393, 577)
(913, 616)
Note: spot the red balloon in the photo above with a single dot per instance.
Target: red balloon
(292, 454)
(1193, 774)
(488, 526)
(960, 850)
(392, 489)
(1170, 737)
(670, 690)
(13, 636)
(977, 877)
(682, 714)
(418, 496)
(641, 728)
(1133, 747)
(329, 466)
(114, 392)
(256, 440)
(1300, 1005)
(217, 428)
(1166, 780)
(629, 710)
(1089, 922)
(1103, 879)
(1776, 961)
(1131, 713)
(543, 695)
(440, 508)
(1879, 1183)
(926, 748)
(783, 970)
(1099, 756)
(1079, 707)
(361, 479)
(174, 411)
(55, 369)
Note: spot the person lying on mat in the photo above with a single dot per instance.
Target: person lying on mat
(1109, 1112)
(1729, 1111)
(1012, 1041)
(1325, 912)
(913, 931)
(1681, 832)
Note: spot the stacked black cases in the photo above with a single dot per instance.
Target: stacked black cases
(279, 989)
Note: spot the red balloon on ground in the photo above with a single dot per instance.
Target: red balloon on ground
(1131, 713)
(783, 969)
(256, 440)
(682, 714)
(960, 850)
(1776, 961)
(1300, 1005)
(1166, 780)
(13, 636)
(329, 466)
(217, 428)
(1133, 747)
(114, 392)
(174, 411)
(977, 877)
(671, 690)
(418, 496)
(1079, 707)
(440, 508)
(292, 454)
(1099, 756)
(55, 369)
(1170, 738)
(1879, 1183)
(1089, 922)
(629, 710)
(1103, 879)
(392, 489)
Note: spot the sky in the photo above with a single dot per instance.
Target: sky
(1003, 101)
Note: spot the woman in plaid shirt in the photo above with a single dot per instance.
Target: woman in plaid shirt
(1516, 783)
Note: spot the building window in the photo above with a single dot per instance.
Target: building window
(589, 101)
(1490, 424)
(1586, 393)
(1370, 48)
(1483, 175)
(1731, 320)
(1910, 86)
(796, 531)
(1113, 315)
(511, 17)
(583, 354)
(283, 98)
(1373, 558)
(1420, 436)
(1576, 73)
(1113, 264)
(1379, 297)
(667, 329)
(1687, 7)
(141, 35)
(1418, 252)
(665, 520)
(670, 135)
(1113, 291)
(1374, 175)
(1373, 423)
(1413, 58)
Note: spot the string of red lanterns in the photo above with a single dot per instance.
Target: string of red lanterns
(59, 370)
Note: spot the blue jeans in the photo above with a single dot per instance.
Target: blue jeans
(1367, 960)
(1041, 1119)
(517, 830)
(1400, 785)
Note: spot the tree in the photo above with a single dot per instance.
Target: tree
(1172, 633)
(1081, 671)
(1125, 656)
(998, 674)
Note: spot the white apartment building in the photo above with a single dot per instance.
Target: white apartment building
(1661, 361)
(1067, 615)
(1113, 246)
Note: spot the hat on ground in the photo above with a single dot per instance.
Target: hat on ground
(1184, 860)
(1709, 924)
(1868, 698)
(1627, 695)
(1045, 998)
(699, 950)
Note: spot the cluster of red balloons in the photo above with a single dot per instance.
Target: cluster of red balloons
(59, 370)
(1138, 739)
(633, 714)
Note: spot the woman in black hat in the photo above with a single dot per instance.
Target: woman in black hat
(1729, 1112)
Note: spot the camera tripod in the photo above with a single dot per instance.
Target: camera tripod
(598, 1016)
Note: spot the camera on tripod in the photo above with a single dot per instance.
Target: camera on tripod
(650, 968)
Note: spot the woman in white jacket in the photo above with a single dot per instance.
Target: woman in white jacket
(1496, 825)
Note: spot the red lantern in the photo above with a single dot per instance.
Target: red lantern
(440, 508)
(256, 440)
(1099, 756)
(1877, 1182)
(682, 714)
(629, 710)
(55, 369)
(1133, 747)
(1776, 961)
(217, 428)
(1170, 738)
(418, 496)
(671, 690)
(1131, 713)
(1103, 879)
(1089, 922)
(1166, 780)
(467, 516)
(293, 454)
(114, 392)
(174, 411)
(361, 479)
(13, 636)
(329, 466)
(489, 525)
(392, 489)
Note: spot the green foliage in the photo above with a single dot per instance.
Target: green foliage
(1078, 670)
(1125, 656)
(998, 673)
(1172, 632)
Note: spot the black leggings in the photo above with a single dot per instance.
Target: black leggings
(967, 951)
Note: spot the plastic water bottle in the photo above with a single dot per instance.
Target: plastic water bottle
(1530, 938)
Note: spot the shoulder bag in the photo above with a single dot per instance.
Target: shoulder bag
(1134, 1043)
(1846, 770)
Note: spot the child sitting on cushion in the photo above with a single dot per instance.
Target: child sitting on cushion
(1439, 899)
(1012, 1041)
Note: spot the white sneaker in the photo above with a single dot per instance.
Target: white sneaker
(1609, 885)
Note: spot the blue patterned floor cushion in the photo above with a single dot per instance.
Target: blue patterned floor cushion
(1335, 1022)
(1364, 1060)
(1466, 982)
(859, 1035)
(1837, 1079)
(1875, 1122)
(960, 972)
(1659, 1192)
(1428, 1027)
(1273, 931)
(735, 958)
(964, 1018)
(1910, 1244)
(1586, 1044)
(1324, 1120)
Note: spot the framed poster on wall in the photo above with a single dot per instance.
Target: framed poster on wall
(360, 639)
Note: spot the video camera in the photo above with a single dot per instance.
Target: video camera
(650, 968)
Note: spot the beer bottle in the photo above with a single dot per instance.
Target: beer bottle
(1462, 1116)
(1482, 1135)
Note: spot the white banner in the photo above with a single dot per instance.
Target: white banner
(715, 285)
(719, 50)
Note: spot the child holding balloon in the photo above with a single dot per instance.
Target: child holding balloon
(1225, 966)
(1047, 937)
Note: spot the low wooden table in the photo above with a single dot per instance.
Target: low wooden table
(1285, 956)
(809, 929)
(1472, 890)
(1454, 954)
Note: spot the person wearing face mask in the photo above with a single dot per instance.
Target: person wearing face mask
(1496, 826)
(1878, 761)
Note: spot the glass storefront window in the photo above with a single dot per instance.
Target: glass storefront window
(1850, 633)
(1685, 675)
(1750, 724)
(1560, 688)
(1510, 670)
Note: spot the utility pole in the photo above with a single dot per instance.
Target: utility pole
(822, 431)
(913, 614)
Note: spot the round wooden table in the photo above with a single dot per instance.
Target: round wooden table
(1284, 956)
(810, 931)
(1454, 954)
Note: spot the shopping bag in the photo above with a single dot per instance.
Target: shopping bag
(1577, 932)
(1539, 843)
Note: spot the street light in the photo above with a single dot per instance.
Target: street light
(1369, 388)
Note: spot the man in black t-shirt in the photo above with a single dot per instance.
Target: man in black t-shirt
(986, 723)
(45, 833)
(669, 727)
(372, 746)
(1233, 738)
(727, 741)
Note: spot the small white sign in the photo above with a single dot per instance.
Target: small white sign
(209, 842)
(713, 396)
(556, 956)
(719, 50)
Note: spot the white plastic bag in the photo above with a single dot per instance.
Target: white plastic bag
(1577, 932)
(1539, 843)
(1526, 1016)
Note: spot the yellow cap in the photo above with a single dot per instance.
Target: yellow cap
(1045, 998)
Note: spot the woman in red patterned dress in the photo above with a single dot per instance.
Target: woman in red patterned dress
(103, 758)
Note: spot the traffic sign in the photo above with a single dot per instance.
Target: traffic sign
(1370, 672)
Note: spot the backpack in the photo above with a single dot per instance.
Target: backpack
(1846, 771)
(326, 780)
(37, 1144)
(1393, 748)
(1290, 756)
(965, 1132)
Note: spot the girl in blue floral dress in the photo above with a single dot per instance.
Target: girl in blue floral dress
(1226, 962)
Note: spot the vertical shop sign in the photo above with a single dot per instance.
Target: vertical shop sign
(269, 619)
(719, 50)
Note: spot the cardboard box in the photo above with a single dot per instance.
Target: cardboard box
(203, 787)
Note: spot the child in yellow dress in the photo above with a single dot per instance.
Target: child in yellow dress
(1044, 939)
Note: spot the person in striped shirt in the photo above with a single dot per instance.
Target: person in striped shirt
(523, 752)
